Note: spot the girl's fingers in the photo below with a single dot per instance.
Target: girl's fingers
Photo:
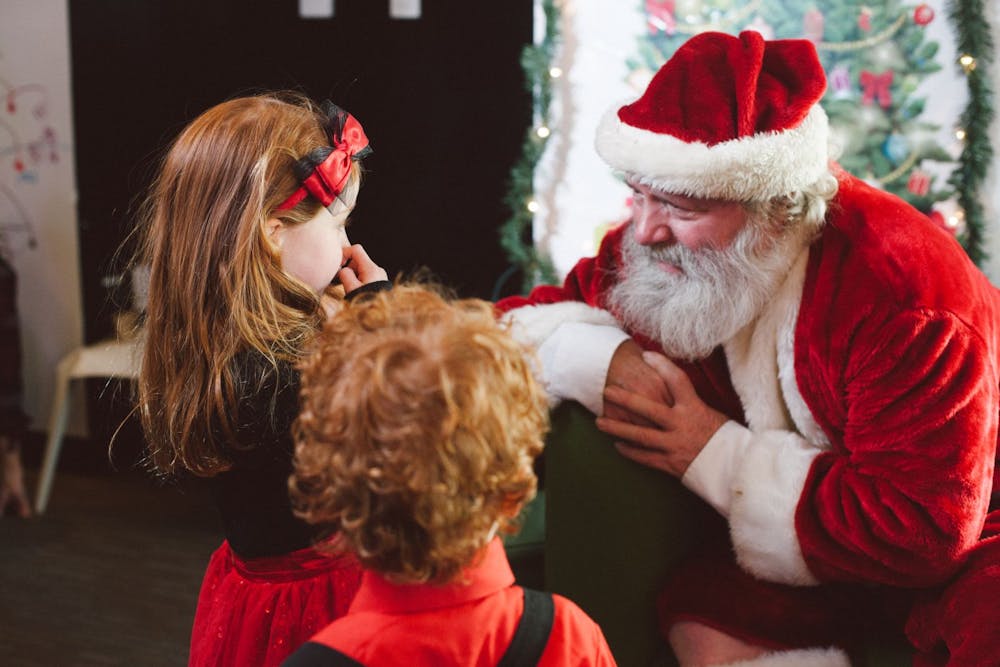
(348, 279)
(364, 268)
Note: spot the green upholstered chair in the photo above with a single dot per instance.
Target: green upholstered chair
(526, 549)
(612, 531)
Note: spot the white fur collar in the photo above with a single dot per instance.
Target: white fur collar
(761, 361)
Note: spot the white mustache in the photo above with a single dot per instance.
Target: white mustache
(718, 292)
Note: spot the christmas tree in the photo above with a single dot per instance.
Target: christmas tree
(876, 54)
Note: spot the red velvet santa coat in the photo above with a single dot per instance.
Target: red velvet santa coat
(888, 464)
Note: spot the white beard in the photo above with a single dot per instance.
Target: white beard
(717, 294)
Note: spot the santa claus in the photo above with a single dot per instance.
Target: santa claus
(810, 355)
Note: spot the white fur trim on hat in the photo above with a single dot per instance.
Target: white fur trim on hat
(754, 168)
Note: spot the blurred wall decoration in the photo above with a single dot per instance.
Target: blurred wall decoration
(38, 225)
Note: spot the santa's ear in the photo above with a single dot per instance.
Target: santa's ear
(274, 230)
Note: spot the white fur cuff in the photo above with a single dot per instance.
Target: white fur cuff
(532, 325)
(766, 493)
(575, 361)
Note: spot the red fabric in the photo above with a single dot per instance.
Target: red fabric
(960, 625)
(717, 88)
(257, 611)
(711, 588)
(896, 354)
(470, 622)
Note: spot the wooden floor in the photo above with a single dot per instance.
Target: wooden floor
(108, 576)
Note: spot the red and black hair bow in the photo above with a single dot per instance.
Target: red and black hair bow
(324, 171)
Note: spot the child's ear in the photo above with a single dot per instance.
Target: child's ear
(274, 230)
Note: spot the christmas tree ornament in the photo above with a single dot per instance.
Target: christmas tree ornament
(919, 182)
(876, 86)
(840, 82)
(812, 25)
(896, 147)
(923, 14)
(660, 16)
(886, 55)
(865, 19)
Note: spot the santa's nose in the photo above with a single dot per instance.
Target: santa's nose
(651, 229)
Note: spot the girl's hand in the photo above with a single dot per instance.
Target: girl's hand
(359, 269)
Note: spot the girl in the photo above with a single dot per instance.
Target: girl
(244, 232)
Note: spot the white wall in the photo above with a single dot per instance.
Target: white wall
(40, 199)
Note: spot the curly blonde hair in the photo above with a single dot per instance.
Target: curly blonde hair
(419, 424)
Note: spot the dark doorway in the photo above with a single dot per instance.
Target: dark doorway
(442, 99)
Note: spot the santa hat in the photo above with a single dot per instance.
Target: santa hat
(734, 118)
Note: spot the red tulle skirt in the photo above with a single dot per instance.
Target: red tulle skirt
(257, 611)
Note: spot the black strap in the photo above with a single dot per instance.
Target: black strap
(533, 630)
(369, 288)
(526, 648)
(312, 654)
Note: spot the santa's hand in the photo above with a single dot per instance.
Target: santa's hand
(677, 433)
(359, 269)
(628, 370)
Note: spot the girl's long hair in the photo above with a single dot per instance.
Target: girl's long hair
(216, 284)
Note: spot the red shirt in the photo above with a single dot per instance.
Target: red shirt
(467, 622)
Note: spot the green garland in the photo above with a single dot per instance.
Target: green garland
(972, 36)
(973, 39)
(515, 234)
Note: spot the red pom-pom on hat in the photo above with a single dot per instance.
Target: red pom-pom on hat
(726, 117)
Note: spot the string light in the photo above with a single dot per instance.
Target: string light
(555, 72)
(960, 134)
(955, 219)
(967, 62)
(533, 206)
(543, 132)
